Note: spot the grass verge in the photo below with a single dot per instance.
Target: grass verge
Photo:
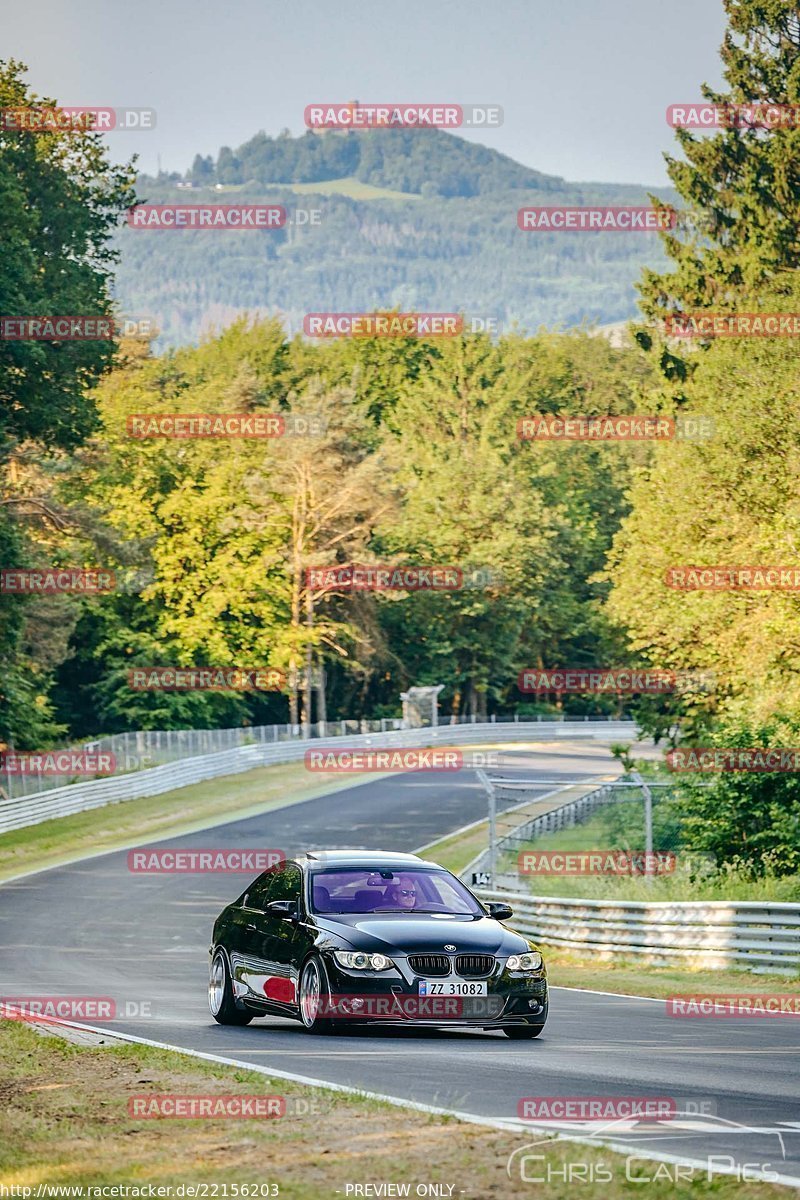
(170, 814)
(185, 810)
(696, 876)
(565, 969)
(65, 1121)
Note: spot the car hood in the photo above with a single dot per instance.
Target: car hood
(407, 933)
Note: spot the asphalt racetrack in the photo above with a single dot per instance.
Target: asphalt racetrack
(94, 928)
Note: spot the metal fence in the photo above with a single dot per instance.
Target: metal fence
(141, 749)
(514, 823)
(19, 811)
(513, 826)
(705, 934)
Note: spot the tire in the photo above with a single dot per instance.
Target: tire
(312, 990)
(221, 1001)
(522, 1031)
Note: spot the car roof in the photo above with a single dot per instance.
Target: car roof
(319, 859)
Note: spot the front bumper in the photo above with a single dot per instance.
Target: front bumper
(392, 998)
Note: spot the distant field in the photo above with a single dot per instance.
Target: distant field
(349, 186)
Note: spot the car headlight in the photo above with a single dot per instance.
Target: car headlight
(358, 961)
(525, 962)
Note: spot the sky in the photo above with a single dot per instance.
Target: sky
(583, 84)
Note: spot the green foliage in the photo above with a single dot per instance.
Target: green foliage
(61, 199)
(732, 499)
(739, 232)
(420, 463)
(747, 817)
(405, 160)
(455, 246)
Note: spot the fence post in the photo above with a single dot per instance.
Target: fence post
(648, 824)
(486, 783)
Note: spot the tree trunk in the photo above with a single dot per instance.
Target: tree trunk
(472, 706)
(308, 681)
(482, 698)
(322, 707)
(297, 580)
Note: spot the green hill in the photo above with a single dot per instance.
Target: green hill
(411, 219)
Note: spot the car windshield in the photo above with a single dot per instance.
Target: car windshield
(390, 890)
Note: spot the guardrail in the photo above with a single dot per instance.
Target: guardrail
(95, 793)
(141, 749)
(706, 933)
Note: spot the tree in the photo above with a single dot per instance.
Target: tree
(455, 456)
(203, 171)
(332, 492)
(747, 817)
(741, 186)
(733, 499)
(61, 199)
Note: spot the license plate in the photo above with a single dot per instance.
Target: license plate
(452, 987)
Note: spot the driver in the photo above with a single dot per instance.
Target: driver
(402, 894)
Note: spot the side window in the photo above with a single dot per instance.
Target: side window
(286, 883)
(257, 894)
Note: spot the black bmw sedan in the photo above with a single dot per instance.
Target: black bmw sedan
(362, 937)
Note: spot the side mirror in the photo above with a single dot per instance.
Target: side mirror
(498, 910)
(288, 910)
